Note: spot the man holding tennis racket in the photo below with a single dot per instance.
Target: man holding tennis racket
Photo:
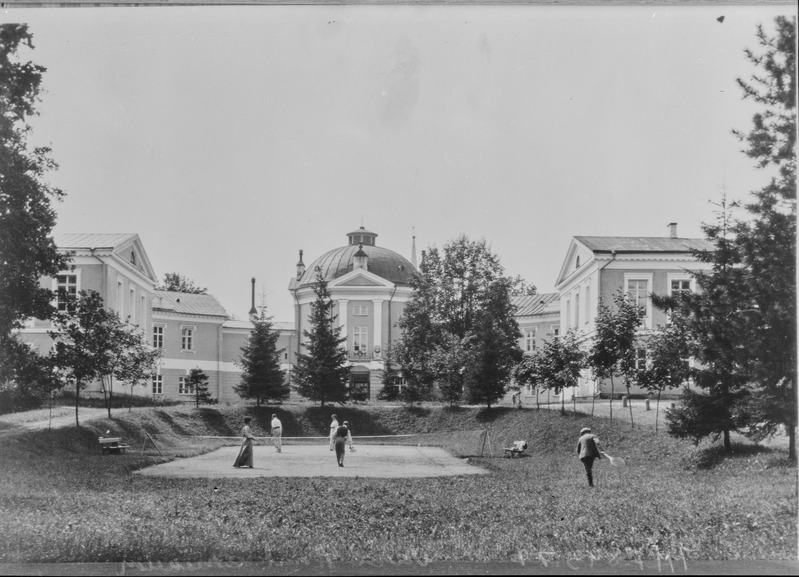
(588, 450)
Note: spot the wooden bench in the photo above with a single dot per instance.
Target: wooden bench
(518, 448)
(112, 445)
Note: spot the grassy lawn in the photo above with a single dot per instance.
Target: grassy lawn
(61, 501)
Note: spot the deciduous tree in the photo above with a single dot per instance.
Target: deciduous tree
(27, 214)
(175, 282)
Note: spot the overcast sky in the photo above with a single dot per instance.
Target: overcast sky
(229, 138)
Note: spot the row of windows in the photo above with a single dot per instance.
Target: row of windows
(186, 338)
(184, 387)
(67, 292)
(530, 334)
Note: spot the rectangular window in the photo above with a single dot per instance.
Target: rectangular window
(142, 315)
(158, 337)
(679, 287)
(66, 290)
(577, 310)
(638, 288)
(568, 313)
(360, 310)
(120, 313)
(529, 340)
(360, 339)
(587, 303)
(183, 386)
(158, 384)
(186, 338)
(556, 331)
(640, 359)
(132, 306)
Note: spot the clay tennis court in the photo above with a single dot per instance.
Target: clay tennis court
(318, 461)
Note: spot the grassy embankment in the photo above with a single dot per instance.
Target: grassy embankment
(62, 501)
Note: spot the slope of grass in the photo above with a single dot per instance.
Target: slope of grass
(64, 502)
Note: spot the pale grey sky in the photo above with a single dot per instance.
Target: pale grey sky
(229, 138)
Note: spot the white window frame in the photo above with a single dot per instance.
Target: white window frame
(577, 308)
(158, 336)
(360, 310)
(131, 304)
(120, 300)
(679, 277)
(190, 336)
(183, 385)
(529, 339)
(76, 274)
(648, 278)
(360, 338)
(158, 384)
(587, 303)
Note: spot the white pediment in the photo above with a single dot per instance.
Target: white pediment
(132, 253)
(360, 277)
(577, 258)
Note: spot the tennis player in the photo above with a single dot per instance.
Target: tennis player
(333, 427)
(588, 450)
(342, 437)
(277, 433)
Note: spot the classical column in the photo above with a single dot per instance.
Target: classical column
(378, 327)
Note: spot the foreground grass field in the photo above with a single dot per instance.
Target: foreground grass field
(62, 501)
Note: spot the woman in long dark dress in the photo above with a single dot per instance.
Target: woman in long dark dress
(341, 437)
(245, 454)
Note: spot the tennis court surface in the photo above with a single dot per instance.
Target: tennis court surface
(318, 461)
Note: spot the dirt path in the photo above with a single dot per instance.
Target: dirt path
(41, 418)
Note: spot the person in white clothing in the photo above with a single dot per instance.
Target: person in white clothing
(277, 433)
(333, 428)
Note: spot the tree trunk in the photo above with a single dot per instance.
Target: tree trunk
(106, 398)
(611, 397)
(791, 430)
(537, 403)
(593, 402)
(77, 401)
(630, 404)
(657, 411)
(727, 444)
(563, 401)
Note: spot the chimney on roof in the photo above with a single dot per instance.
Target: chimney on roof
(253, 311)
(672, 230)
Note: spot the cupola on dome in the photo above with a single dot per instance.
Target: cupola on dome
(380, 261)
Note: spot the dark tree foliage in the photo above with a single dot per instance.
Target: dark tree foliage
(198, 384)
(668, 350)
(767, 241)
(322, 374)
(612, 351)
(29, 377)
(558, 364)
(175, 282)
(443, 322)
(712, 316)
(262, 378)
(491, 362)
(27, 216)
(391, 389)
(527, 373)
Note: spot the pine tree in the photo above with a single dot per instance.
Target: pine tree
(198, 384)
(712, 316)
(262, 378)
(767, 242)
(321, 374)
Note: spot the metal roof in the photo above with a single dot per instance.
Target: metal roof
(383, 262)
(643, 244)
(92, 240)
(188, 303)
(538, 304)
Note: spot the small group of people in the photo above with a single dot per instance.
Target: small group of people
(340, 436)
(244, 458)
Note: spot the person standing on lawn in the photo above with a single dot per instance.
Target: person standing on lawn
(245, 453)
(342, 437)
(588, 450)
(333, 427)
(277, 433)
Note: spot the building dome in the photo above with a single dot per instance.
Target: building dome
(381, 261)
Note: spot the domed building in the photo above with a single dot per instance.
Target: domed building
(369, 286)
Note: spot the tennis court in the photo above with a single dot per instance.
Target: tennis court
(316, 460)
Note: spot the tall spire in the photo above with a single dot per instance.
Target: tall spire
(413, 249)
